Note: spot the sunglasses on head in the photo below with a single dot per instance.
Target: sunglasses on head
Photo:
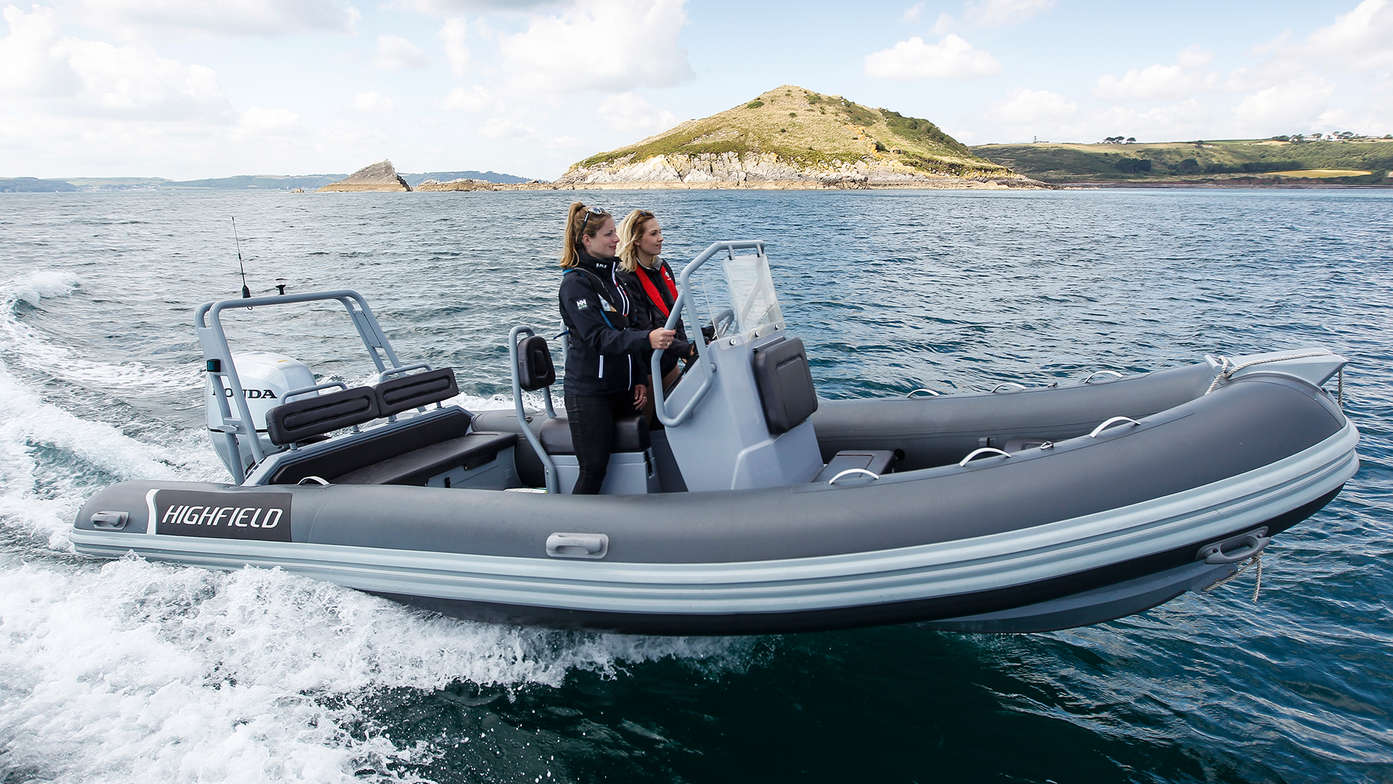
(590, 213)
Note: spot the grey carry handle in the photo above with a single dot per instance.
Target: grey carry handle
(111, 520)
(1248, 545)
(683, 289)
(566, 545)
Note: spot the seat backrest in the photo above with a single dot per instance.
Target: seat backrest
(418, 389)
(302, 419)
(535, 368)
(785, 384)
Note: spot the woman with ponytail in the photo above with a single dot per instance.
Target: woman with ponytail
(605, 377)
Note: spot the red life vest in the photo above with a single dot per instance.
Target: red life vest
(651, 289)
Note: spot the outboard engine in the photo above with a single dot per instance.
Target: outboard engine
(266, 378)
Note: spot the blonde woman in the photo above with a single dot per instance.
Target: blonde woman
(605, 376)
(651, 288)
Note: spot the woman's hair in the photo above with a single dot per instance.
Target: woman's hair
(580, 221)
(629, 233)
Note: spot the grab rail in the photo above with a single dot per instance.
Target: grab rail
(986, 450)
(1117, 420)
(675, 315)
(931, 392)
(399, 370)
(548, 466)
(315, 388)
(873, 475)
(1007, 384)
(1097, 373)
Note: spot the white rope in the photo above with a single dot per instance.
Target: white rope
(1257, 585)
(1227, 369)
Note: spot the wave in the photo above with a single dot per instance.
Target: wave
(181, 673)
(39, 352)
(253, 675)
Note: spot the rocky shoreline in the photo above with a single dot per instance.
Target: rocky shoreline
(767, 171)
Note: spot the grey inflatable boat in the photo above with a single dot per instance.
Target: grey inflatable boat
(757, 507)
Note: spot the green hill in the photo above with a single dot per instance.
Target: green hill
(790, 133)
(1235, 161)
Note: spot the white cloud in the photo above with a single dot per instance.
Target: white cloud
(454, 33)
(1194, 57)
(395, 53)
(1363, 38)
(562, 143)
(996, 13)
(473, 99)
(447, 8)
(235, 17)
(912, 13)
(630, 112)
(1031, 106)
(262, 120)
(372, 101)
(1296, 104)
(86, 78)
(943, 24)
(506, 127)
(604, 44)
(28, 60)
(914, 59)
(1160, 81)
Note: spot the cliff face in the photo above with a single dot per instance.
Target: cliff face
(769, 171)
(376, 177)
(790, 137)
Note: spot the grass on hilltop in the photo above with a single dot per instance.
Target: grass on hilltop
(814, 130)
(1359, 161)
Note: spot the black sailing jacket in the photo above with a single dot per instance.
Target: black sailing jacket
(604, 349)
(645, 312)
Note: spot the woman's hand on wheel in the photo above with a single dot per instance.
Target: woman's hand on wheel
(661, 338)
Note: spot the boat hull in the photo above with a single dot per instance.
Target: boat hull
(1092, 528)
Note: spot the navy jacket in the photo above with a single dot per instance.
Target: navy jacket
(604, 349)
(646, 314)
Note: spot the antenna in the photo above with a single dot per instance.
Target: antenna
(246, 292)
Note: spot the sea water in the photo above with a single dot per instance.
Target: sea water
(128, 671)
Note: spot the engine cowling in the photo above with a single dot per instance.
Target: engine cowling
(266, 379)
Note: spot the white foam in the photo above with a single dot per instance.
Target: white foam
(141, 672)
(130, 671)
(34, 286)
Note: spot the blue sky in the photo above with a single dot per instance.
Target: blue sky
(184, 90)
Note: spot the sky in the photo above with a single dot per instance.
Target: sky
(184, 90)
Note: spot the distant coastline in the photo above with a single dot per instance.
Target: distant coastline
(1251, 163)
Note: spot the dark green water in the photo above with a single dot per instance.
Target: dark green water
(128, 671)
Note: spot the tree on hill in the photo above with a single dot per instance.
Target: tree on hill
(1131, 140)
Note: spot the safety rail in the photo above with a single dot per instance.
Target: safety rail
(217, 355)
(548, 465)
(684, 289)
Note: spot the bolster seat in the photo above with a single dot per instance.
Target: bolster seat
(630, 435)
(415, 467)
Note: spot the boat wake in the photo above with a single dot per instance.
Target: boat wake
(172, 673)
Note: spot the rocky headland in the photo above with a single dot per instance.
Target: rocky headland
(792, 138)
(381, 176)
